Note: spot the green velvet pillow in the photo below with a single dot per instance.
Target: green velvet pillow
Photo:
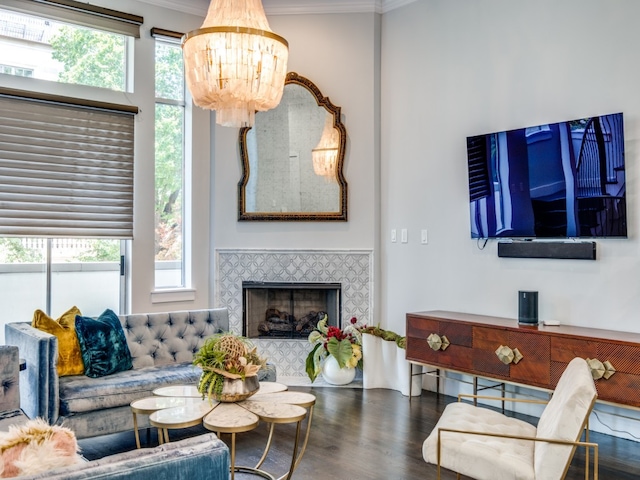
(103, 344)
(64, 328)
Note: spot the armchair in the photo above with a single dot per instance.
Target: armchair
(10, 412)
(487, 445)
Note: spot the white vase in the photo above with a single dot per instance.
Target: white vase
(386, 366)
(333, 374)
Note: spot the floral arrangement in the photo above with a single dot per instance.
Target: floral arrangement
(225, 356)
(345, 345)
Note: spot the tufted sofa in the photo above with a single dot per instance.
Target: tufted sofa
(162, 347)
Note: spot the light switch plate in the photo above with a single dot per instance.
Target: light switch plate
(404, 238)
(394, 237)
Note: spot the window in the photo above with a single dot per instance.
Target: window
(169, 163)
(41, 48)
(17, 71)
(56, 273)
(64, 161)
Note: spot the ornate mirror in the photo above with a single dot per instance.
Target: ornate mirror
(292, 159)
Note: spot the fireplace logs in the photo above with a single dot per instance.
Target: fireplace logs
(283, 324)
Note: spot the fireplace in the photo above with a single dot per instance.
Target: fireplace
(288, 310)
(353, 269)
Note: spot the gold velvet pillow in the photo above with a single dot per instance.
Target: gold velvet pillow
(64, 328)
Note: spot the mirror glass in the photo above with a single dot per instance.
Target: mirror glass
(292, 159)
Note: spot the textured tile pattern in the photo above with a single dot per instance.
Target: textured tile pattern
(353, 269)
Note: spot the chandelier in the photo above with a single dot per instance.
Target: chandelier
(234, 64)
(325, 155)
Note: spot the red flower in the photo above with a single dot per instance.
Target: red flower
(333, 331)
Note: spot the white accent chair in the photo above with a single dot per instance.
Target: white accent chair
(484, 444)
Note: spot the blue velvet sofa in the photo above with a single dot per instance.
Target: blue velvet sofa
(200, 457)
(162, 346)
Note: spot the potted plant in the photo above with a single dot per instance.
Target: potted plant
(230, 365)
(335, 350)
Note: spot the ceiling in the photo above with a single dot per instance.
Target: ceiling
(291, 7)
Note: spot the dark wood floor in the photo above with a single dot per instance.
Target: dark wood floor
(369, 434)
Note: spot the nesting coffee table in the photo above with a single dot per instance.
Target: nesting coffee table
(182, 406)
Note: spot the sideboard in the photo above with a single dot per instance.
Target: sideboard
(501, 349)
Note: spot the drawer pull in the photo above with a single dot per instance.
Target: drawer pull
(601, 370)
(507, 355)
(438, 343)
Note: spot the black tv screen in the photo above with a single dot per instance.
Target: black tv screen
(559, 180)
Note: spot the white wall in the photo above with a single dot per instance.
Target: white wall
(454, 68)
(336, 52)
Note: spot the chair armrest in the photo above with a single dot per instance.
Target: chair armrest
(9, 378)
(505, 399)
(577, 443)
(39, 394)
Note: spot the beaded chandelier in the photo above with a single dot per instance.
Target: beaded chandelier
(234, 64)
(325, 156)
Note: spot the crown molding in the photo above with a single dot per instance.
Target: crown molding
(302, 7)
(292, 7)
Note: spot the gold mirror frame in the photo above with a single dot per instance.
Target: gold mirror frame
(340, 213)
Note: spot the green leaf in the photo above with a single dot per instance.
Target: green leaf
(340, 349)
(311, 365)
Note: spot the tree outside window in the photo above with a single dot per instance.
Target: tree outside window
(169, 165)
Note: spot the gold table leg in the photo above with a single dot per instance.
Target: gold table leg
(233, 455)
(295, 461)
(135, 430)
(267, 446)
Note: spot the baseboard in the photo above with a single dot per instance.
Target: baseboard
(543, 249)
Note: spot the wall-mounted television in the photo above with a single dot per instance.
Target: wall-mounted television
(558, 180)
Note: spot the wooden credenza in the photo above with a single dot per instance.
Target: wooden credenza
(531, 355)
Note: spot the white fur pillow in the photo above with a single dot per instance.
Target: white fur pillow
(36, 446)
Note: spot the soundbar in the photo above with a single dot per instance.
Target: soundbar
(533, 249)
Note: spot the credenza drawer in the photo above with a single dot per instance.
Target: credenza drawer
(456, 354)
(533, 366)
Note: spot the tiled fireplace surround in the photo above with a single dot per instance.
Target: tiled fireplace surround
(353, 269)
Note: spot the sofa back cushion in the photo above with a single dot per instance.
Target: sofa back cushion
(157, 339)
(564, 418)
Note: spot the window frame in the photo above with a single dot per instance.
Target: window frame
(183, 291)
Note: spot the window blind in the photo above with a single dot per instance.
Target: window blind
(165, 34)
(65, 170)
(81, 14)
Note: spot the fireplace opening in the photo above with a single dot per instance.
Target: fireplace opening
(288, 310)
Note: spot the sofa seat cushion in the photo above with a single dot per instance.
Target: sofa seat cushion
(84, 394)
(12, 417)
(482, 457)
